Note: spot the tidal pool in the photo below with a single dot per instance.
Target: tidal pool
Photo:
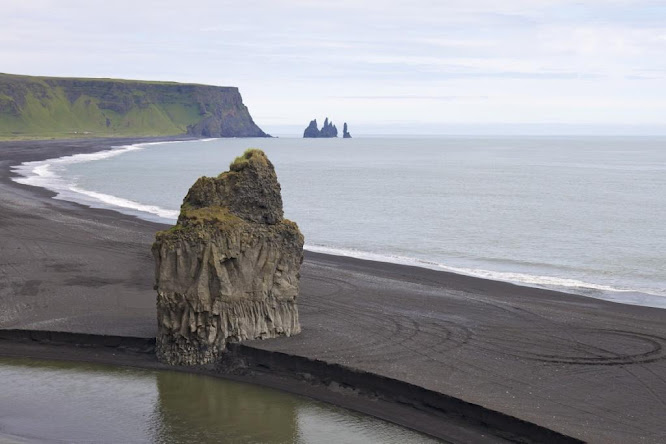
(63, 402)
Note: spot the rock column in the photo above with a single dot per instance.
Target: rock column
(229, 269)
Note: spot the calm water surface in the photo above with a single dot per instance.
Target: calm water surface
(583, 214)
(47, 401)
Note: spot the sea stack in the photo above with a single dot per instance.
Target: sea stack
(311, 131)
(229, 269)
(345, 132)
(326, 131)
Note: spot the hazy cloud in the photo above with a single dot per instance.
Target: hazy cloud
(477, 61)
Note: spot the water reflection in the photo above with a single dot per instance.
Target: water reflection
(45, 401)
(193, 408)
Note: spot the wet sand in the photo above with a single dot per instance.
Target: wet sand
(586, 368)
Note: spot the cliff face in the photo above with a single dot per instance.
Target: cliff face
(66, 107)
(229, 269)
(224, 114)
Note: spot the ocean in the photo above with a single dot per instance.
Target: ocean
(579, 214)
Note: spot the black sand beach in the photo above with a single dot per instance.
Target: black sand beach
(585, 368)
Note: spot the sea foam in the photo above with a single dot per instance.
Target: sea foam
(643, 297)
(45, 174)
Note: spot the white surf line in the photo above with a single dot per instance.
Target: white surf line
(41, 173)
(524, 279)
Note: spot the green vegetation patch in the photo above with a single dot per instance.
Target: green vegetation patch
(250, 154)
(195, 223)
(219, 216)
(53, 107)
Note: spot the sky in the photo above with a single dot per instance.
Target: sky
(419, 66)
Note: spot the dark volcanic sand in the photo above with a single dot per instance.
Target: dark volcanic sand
(584, 367)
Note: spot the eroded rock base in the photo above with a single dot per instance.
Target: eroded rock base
(205, 335)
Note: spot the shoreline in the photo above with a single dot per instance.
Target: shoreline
(430, 413)
(511, 349)
(71, 193)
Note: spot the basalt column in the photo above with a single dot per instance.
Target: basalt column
(229, 269)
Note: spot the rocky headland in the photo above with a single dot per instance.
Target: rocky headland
(229, 270)
(46, 107)
(328, 130)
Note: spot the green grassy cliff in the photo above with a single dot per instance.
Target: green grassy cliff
(45, 107)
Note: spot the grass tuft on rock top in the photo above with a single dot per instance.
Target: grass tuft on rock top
(250, 154)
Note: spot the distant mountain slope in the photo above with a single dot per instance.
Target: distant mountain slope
(40, 107)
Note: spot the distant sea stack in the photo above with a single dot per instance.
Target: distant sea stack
(345, 132)
(328, 130)
(229, 269)
(68, 107)
(312, 131)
